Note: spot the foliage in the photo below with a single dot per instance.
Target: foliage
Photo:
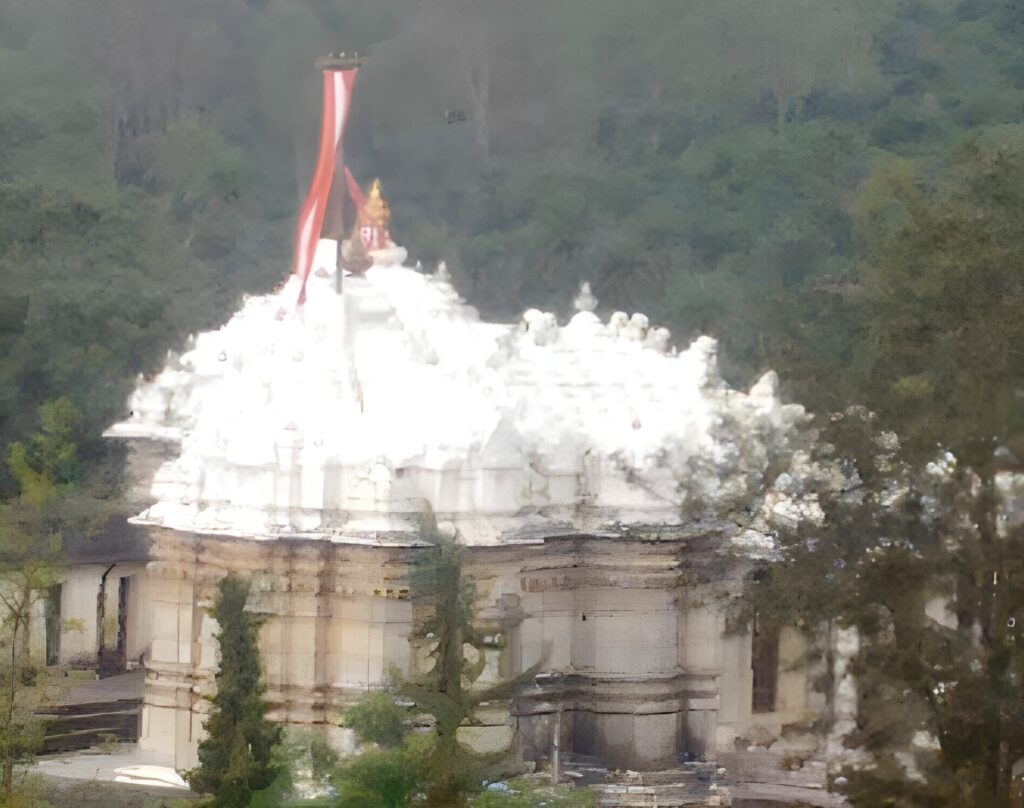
(377, 719)
(236, 758)
(944, 281)
(35, 525)
(304, 763)
(384, 777)
(49, 464)
(434, 764)
(393, 766)
(938, 345)
(31, 792)
(444, 597)
(938, 691)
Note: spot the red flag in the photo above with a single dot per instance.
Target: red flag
(338, 86)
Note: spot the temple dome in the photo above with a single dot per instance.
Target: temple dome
(351, 417)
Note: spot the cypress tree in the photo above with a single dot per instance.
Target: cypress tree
(235, 759)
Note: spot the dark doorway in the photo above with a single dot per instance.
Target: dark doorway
(113, 656)
(764, 659)
(122, 621)
(51, 606)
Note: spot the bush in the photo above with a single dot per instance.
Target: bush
(377, 719)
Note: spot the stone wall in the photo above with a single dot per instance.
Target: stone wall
(337, 616)
(631, 632)
(81, 629)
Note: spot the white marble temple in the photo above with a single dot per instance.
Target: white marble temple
(351, 415)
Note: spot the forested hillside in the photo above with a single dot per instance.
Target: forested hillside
(726, 167)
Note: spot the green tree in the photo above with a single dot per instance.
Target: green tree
(445, 599)
(938, 698)
(384, 777)
(393, 766)
(33, 528)
(941, 307)
(434, 764)
(377, 719)
(236, 757)
(943, 284)
(22, 684)
(48, 465)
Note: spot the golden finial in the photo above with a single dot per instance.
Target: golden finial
(376, 211)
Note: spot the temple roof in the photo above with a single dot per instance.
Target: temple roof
(356, 414)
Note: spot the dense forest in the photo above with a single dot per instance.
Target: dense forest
(731, 168)
(831, 188)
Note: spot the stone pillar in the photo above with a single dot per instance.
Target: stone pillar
(168, 725)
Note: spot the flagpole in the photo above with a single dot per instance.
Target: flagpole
(339, 74)
(335, 225)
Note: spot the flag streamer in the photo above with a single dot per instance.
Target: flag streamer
(337, 96)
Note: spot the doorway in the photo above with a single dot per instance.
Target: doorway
(53, 623)
(122, 621)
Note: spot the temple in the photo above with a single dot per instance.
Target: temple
(613, 492)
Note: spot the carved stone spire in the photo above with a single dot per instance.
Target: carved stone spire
(585, 300)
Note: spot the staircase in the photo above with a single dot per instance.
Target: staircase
(762, 776)
(690, 784)
(79, 726)
(95, 712)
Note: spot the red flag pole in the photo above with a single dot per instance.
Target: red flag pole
(339, 76)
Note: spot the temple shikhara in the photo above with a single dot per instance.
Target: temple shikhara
(612, 490)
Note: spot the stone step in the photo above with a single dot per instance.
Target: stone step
(787, 795)
(625, 800)
(577, 759)
(683, 795)
(654, 801)
(670, 776)
(766, 767)
(80, 725)
(664, 797)
(61, 725)
(86, 738)
(93, 707)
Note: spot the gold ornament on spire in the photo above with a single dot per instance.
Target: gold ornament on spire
(374, 217)
(376, 211)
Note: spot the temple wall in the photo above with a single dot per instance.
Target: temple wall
(336, 617)
(79, 642)
(640, 668)
(81, 630)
